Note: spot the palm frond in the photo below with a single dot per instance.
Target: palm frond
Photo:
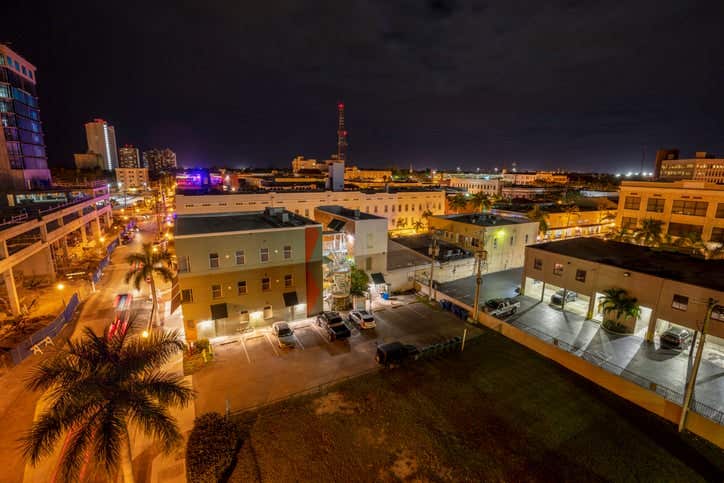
(156, 421)
(166, 388)
(165, 273)
(139, 354)
(75, 452)
(111, 435)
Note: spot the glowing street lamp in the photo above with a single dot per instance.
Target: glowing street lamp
(60, 288)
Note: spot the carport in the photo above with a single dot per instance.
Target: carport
(575, 303)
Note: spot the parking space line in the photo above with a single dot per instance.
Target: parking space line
(299, 341)
(266, 336)
(243, 346)
(318, 331)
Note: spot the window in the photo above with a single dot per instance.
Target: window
(629, 222)
(495, 242)
(288, 280)
(385, 208)
(717, 235)
(580, 275)
(183, 264)
(526, 239)
(216, 291)
(691, 208)
(368, 263)
(680, 302)
(399, 208)
(537, 264)
(655, 205)
(213, 260)
(240, 259)
(557, 269)
(306, 212)
(264, 255)
(720, 210)
(370, 240)
(393, 208)
(511, 241)
(241, 287)
(717, 313)
(683, 229)
(632, 203)
(287, 252)
(187, 296)
(265, 284)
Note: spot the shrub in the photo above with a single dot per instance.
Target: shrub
(211, 449)
(202, 344)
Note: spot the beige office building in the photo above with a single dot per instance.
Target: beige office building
(399, 207)
(672, 289)
(238, 269)
(504, 238)
(703, 167)
(132, 178)
(489, 186)
(682, 207)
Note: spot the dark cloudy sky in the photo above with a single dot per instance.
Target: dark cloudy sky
(574, 84)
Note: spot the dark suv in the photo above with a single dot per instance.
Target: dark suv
(333, 325)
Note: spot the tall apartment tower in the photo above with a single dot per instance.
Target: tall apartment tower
(129, 157)
(101, 139)
(23, 162)
(341, 134)
(158, 161)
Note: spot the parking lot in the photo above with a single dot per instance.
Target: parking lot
(252, 369)
(495, 285)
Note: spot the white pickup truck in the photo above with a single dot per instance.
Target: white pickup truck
(501, 307)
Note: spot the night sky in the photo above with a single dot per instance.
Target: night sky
(581, 85)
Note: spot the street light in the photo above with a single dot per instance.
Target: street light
(60, 288)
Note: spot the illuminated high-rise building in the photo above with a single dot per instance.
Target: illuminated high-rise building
(101, 138)
(129, 157)
(23, 162)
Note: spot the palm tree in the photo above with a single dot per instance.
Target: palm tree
(481, 200)
(458, 202)
(145, 264)
(426, 216)
(417, 225)
(617, 307)
(97, 387)
(536, 214)
(650, 233)
(401, 222)
(620, 235)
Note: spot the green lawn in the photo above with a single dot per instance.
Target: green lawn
(497, 412)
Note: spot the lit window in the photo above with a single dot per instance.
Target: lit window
(580, 275)
(537, 264)
(288, 280)
(241, 287)
(264, 255)
(680, 302)
(183, 264)
(213, 260)
(187, 296)
(265, 284)
(287, 252)
(216, 291)
(557, 269)
(240, 259)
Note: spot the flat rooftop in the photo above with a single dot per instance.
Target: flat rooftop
(233, 222)
(659, 263)
(422, 242)
(399, 256)
(485, 219)
(348, 213)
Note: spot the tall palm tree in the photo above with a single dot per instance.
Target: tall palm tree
(620, 234)
(97, 387)
(571, 210)
(650, 233)
(426, 216)
(458, 202)
(417, 225)
(145, 264)
(536, 214)
(481, 200)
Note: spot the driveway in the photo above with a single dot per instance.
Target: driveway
(252, 369)
(665, 367)
(495, 285)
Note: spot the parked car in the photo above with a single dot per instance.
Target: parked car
(395, 353)
(675, 338)
(333, 325)
(284, 333)
(363, 319)
(501, 307)
(557, 298)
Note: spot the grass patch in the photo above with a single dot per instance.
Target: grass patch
(497, 412)
(194, 362)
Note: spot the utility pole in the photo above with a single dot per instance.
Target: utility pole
(434, 251)
(480, 257)
(695, 369)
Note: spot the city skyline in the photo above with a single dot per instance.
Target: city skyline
(444, 85)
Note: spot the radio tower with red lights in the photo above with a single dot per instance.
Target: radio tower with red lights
(341, 134)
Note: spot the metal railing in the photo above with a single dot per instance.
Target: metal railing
(667, 393)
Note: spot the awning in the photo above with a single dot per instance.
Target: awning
(336, 225)
(378, 278)
(290, 299)
(219, 311)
